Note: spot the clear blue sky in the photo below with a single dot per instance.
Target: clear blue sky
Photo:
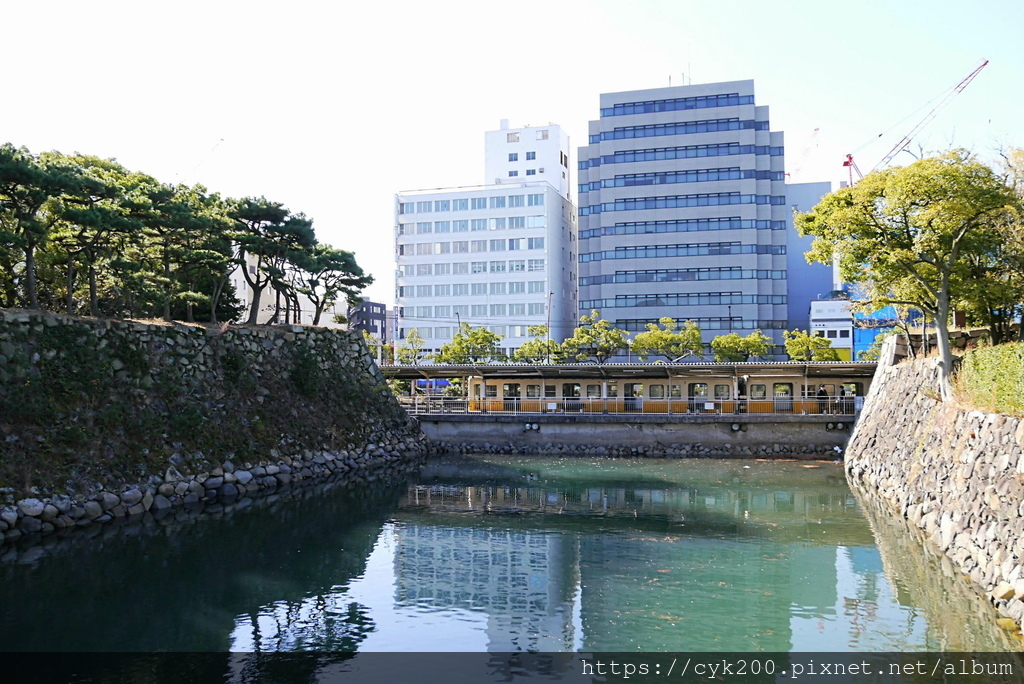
(331, 108)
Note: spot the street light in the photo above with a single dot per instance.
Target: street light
(629, 350)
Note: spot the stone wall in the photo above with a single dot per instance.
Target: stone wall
(955, 474)
(104, 419)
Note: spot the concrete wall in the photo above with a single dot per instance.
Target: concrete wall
(956, 474)
(785, 437)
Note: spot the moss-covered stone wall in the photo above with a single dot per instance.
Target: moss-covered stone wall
(91, 406)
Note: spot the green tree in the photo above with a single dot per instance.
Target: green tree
(594, 338)
(470, 345)
(665, 340)
(410, 352)
(326, 274)
(539, 348)
(734, 348)
(802, 346)
(904, 233)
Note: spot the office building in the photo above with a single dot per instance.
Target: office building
(500, 255)
(683, 213)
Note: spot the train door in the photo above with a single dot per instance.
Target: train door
(698, 396)
(632, 393)
(783, 393)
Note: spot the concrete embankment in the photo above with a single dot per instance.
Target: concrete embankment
(102, 420)
(955, 474)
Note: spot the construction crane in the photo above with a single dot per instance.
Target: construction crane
(905, 140)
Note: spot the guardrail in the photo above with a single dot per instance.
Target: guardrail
(841, 405)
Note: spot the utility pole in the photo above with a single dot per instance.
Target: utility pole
(547, 346)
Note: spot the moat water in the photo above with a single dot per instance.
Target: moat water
(509, 554)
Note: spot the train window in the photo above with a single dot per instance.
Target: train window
(723, 391)
(657, 392)
(758, 391)
(533, 391)
(570, 389)
(491, 391)
(510, 389)
(613, 389)
(782, 389)
(593, 390)
(855, 388)
(675, 391)
(698, 389)
(550, 391)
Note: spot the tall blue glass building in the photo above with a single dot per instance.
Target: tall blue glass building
(682, 211)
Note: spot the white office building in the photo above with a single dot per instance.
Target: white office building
(500, 255)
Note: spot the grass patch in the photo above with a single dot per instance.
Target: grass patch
(992, 379)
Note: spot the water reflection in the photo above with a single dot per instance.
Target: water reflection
(513, 554)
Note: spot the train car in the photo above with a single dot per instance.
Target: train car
(683, 388)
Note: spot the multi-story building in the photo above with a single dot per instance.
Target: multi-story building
(501, 255)
(371, 317)
(683, 211)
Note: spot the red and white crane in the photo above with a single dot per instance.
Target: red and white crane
(905, 140)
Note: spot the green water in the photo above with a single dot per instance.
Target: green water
(505, 554)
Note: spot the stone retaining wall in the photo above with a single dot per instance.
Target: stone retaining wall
(958, 475)
(610, 450)
(102, 419)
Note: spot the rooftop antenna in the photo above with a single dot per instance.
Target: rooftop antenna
(670, 80)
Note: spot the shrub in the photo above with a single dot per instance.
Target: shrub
(992, 379)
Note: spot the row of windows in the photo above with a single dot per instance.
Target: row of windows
(529, 172)
(444, 332)
(468, 267)
(678, 103)
(514, 136)
(679, 128)
(713, 199)
(672, 275)
(471, 290)
(468, 289)
(681, 299)
(514, 156)
(691, 176)
(681, 226)
(723, 323)
(472, 225)
(471, 246)
(699, 249)
(465, 204)
(683, 152)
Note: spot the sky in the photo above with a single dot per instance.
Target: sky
(332, 108)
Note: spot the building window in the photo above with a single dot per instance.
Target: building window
(442, 269)
(536, 309)
(513, 174)
(460, 310)
(442, 205)
(478, 202)
(516, 221)
(516, 200)
(478, 310)
(536, 222)
(513, 156)
(423, 270)
(425, 248)
(478, 267)
(542, 135)
(844, 333)
(498, 267)
(460, 205)
(424, 290)
(460, 247)
(535, 243)
(536, 265)
(831, 334)
(517, 288)
(498, 330)
(497, 288)
(516, 244)
(442, 291)
(409, 270)
(406, 208)
(423, 311)
(479, 289)
(516, 266)
(460, 290)
(442, 311)
(477, 246)
(530, 156)
(496, 223)
(498, 310)
(443, 248)
(479, 224)
(531, 172)
(517, 309)
(535, 200)
(535, 286)
(442, 226)
(497, 245)
(498, 202)
(422, 228)
(512, 137)
(423, 207)
(460, 268)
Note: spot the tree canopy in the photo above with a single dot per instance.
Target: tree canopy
(470, 345)
(905, 234)
(84, 234)
(734, 348)
(594, 338)
(663, 339)
(803, 346)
